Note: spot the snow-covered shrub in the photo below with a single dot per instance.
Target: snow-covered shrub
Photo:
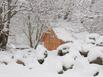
(84, 53)
(85, 49)
(95, 55)
(82, 50)
(98, 60)
(41, 54)
(66, 62)
(92, 38)
(64, 49)
(70, 52)
(99, 42)
(68, 56)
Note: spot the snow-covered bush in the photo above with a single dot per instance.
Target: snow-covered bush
(41, 54)
(70, 47)
(92, 38)
(95, 55)
(65, 62)
(99, 42)
(68, 60)
(70, 53)
(64, 49)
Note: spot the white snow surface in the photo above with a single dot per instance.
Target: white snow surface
(51, 66)
(53, 63)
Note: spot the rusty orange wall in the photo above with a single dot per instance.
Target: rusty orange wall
(50, 42)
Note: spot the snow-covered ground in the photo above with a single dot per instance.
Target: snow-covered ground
(48, 69)
(78, 59)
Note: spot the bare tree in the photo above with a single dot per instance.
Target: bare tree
(34, 29)
(30, 30)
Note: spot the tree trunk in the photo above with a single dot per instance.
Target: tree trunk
(31, 43)
(2, 34)
(5, 33)
(8, 22)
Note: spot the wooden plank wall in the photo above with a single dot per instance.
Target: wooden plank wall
(50, 40)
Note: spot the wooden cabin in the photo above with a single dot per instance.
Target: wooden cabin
(50, 40)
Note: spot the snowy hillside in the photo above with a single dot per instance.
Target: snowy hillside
(80, 58)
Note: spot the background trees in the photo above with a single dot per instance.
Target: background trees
(41, 13)
(6, 13)
(8, 9)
